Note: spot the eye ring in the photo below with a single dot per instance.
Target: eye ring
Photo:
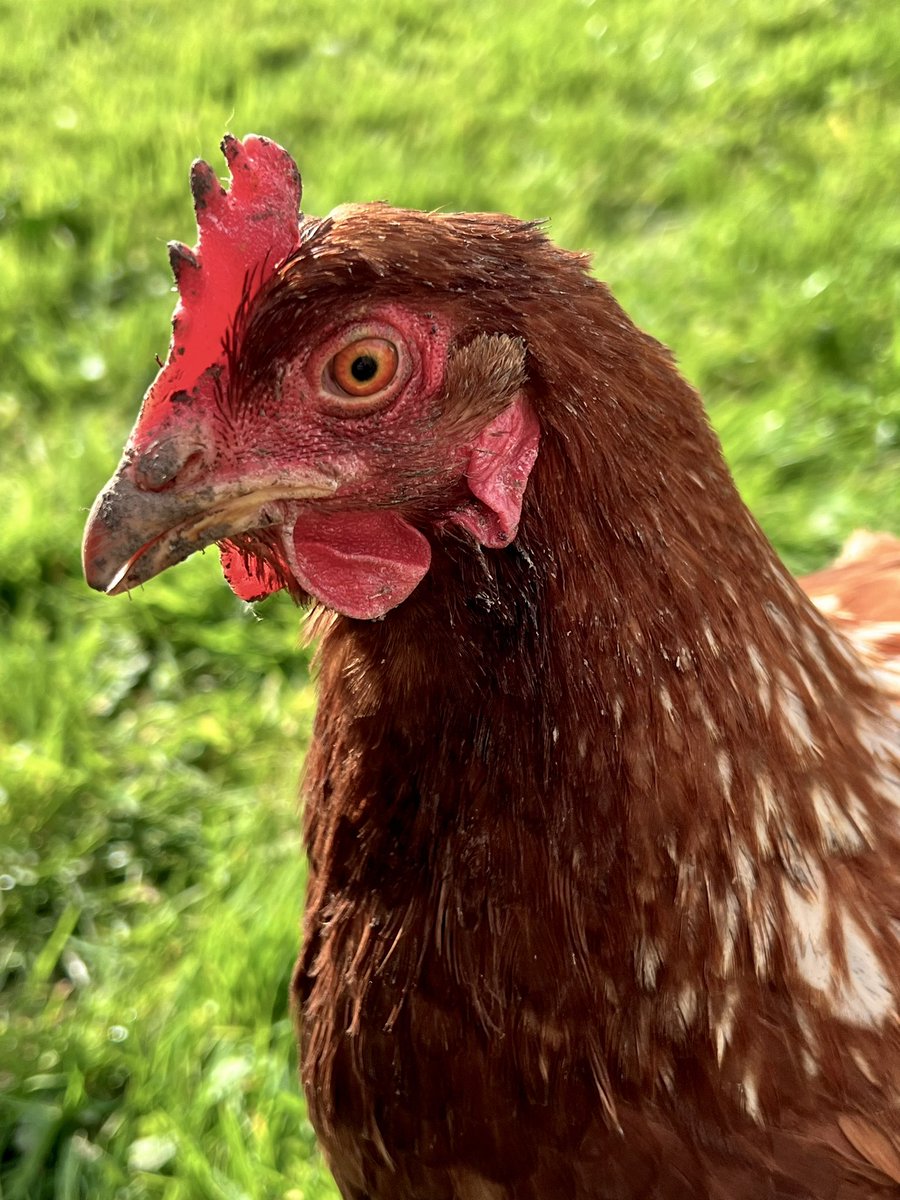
(364, 367)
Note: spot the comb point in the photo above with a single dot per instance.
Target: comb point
(181, 258)
(204, 184)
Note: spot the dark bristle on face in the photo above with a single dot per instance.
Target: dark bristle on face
(600, 804)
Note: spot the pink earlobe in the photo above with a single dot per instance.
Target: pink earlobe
(500, 463)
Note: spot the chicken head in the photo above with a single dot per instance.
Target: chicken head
(315, 418)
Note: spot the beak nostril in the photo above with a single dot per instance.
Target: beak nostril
(193, 466)
(167, 464)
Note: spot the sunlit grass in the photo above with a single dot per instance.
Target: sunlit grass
(734, 170)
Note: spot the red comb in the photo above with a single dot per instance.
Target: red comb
(244, 234)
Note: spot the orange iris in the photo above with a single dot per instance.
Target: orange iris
(365, 366)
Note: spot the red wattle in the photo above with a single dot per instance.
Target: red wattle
(247, 575)
(361, 564)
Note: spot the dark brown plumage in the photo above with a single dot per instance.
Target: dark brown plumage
(603, 823)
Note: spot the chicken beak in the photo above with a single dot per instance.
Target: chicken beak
(134, 533)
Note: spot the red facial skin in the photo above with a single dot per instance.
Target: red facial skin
(337, 476)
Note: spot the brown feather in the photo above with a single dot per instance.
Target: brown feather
(864, 582)
(878, 1148)
(604, 850)
(603, 890)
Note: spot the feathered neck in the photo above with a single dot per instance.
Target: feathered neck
(634, 717)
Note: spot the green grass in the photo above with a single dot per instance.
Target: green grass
(734, 168)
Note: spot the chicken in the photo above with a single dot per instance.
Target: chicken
(601, 811)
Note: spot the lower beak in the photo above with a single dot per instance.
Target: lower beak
(133, 534)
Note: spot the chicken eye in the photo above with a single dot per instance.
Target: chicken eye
(365, 366)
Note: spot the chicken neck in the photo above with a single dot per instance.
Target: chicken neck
(620, 757)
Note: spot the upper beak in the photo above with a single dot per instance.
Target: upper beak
(135, 532)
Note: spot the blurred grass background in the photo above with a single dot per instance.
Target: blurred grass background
(734, 167)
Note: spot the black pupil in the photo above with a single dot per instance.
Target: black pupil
(363, 368)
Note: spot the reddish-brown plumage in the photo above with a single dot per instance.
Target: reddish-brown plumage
(603, 825)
